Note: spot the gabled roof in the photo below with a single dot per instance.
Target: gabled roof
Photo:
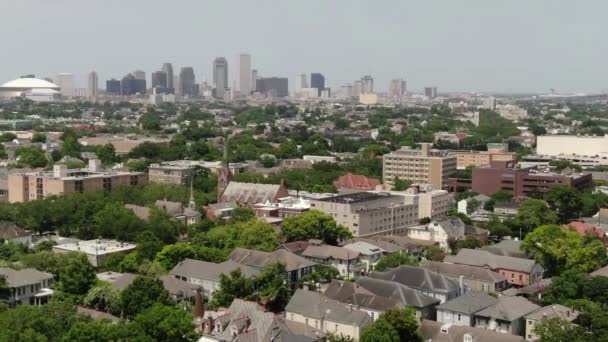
(483, 258)
(468, 272)
(582, 229)
(399, 294)
(250, 193)
(27, 276)
(260, 259)
(171, 208)
(440, 332)
(315, 305)
(511, 248)
(139, 211)
(418, 278)
(509, 308)
(352, 181)
(600, 272)
(327, 251)
(469, 303)
(208, 270)
(557, 310)
(452, 225)
(364, 248)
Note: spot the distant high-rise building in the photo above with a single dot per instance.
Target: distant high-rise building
(303, 81)
(220, 76)
(159, 81)
(65, 82)
(347, 91)
(396, 89)
(187, 82)
(130, 85)
(273, 86)
(317, 81)
(139, 74)
(168, 69)
(92, 85)
(357, 88)
(430, 92)
(368, 84)
(254, 80)
(113, 87)
(245, 74)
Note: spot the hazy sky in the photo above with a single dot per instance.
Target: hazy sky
(469, 45)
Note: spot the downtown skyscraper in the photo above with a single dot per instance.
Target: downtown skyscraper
(317, 81)
(92, 85)
(397, 89)
(187, 82)
(220, 76)
(245, 74)
(168, 69)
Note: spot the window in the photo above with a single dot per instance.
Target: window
(467, 338)
(459, 317)
(306, 321)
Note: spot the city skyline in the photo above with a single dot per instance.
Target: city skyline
(425, 44)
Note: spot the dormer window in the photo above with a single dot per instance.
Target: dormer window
(467, 338)
(234, 331)
(218, 327)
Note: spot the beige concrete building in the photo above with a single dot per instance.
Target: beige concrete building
(479, 158)
(423, 166)
(170, 174)
(122, 144)
(368, 214)
(24, 187)
(434, 203)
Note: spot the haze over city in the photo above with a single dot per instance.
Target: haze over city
(515, 46)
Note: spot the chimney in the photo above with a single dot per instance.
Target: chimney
(60, 171)
(209, 325)
(198, 311)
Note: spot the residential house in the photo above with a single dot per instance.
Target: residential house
(328, 315)
(295, 247)
(441, 231)
(247, 321)
(533, 291)
(221, 210)
(427, 282)
(369, 253)
(583, 229)
(506, 315)
(187, 215)
(27, 286)
(550, 311)
(603, 272)
(506, 209)
(346, 261)
(179, 290)
(519, 272)
(510, 248)
(207, 274)
(388, 294)
(474, 278)
(295, 265)
(460, 311)
(440, 332)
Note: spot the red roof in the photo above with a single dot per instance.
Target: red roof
(583, 228)
(461, 136)
(360, 182)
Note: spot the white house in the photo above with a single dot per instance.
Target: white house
(368, 254)
(440, 231)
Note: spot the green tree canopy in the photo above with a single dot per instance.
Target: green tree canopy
(141, 294)
(395, 260)
(234, 285)
(314, 224)
(77, 275)
(565, 201)
(166, 323)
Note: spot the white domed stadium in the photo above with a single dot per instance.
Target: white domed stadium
(31, 88)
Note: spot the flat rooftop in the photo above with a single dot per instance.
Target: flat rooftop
(358, 197)
(81, 173)
(96, 247)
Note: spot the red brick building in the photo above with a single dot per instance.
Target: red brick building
(356, 183)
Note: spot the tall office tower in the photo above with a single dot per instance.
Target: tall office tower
(245, 74)
(254, 80)
(113, 87)
(357, 88)
(139, 74)
(92, 85)
(396, 89)
(220, 76)
(368, 84)
(168, 69)
(65, 82)
(347, 91)
(273, 86)
(159, 81)
(303, 81)
(430, 92)
(317, 81)
(130, 85)
(187, 82)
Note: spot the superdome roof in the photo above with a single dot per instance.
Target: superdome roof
(29, 83)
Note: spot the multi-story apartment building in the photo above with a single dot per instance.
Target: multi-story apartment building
(480, 158)
(423, 166)
(170, 174)
(29, 186)
(369, 214)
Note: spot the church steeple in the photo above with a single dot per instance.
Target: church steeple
(223, 173)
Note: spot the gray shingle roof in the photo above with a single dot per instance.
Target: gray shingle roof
(315, 305)
(419, 278)
(28, 276)
(468, 272)
(469, 303)
(327, 251)
(431, 331)
(208, 270)
(399, 294)
(250, 193)
(483, 258)
(511, 248)
(551, 311)
(509, 308)
(260, 259)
